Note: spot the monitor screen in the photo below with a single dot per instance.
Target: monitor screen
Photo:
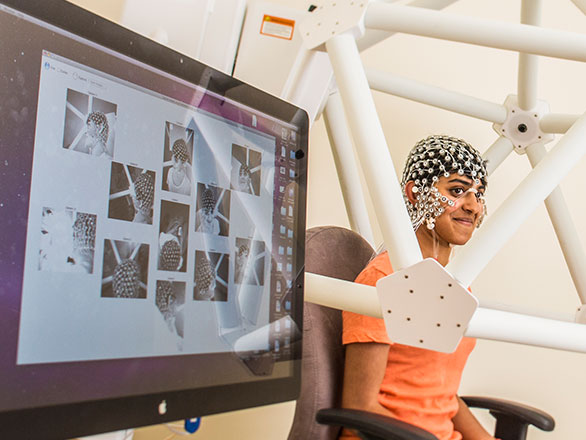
(153, 217)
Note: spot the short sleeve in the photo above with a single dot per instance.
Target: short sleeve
(362, 328)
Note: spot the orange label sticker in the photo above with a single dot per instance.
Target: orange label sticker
(277, 27)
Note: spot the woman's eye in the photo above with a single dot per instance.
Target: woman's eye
(457, 191)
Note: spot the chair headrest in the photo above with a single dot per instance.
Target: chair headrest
(336, 252)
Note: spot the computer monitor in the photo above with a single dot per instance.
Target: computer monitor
(152, 218)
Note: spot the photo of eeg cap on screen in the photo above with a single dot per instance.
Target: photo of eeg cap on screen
(125, 270)
(250, 262)
(212, 210)
(170, 300)
(67, 241)
(132, 194)
(178, 159)
(173, 236)
(90, 124)
(246, 170)
(211, 276)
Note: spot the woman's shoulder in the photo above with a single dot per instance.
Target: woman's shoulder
(377, 268)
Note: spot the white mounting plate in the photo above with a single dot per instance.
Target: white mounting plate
(522, 126)
(333, 17)
(423, 306)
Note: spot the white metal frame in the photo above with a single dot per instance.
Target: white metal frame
(566, 332)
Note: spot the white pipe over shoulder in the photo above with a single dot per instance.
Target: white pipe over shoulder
(486, 323)
(528, 330)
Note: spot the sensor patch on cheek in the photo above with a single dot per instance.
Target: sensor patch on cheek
(457, 201)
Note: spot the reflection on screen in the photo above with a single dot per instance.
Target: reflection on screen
(155, 227)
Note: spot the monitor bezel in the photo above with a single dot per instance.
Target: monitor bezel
(90, 417)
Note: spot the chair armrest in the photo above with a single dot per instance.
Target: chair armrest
(522, 413)
(372, 426)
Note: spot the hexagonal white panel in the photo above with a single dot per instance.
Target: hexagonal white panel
(423, 306)
(522, 126)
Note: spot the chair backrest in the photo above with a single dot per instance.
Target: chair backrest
(339, 253)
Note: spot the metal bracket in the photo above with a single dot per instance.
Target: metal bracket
(333, 18)
(522, 126)
(424, 306)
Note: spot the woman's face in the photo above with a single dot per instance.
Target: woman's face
(242, 258)
(207, 294)
(457, 223)
(92, 129)
(178, 164)
(93, 139)
(208, 213)
(244, 181)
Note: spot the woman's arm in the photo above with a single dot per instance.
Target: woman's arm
(467, 425)
(364, 370)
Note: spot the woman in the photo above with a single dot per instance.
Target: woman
(244, 179)
(97, 131)
(142, 198)
(205, 280)
(443, 185)
(179, 177)
(126, 279)
(172, 245)
(206, 220)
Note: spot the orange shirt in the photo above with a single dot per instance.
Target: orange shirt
(419, 386)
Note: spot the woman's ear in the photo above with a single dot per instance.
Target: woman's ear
(409, 192)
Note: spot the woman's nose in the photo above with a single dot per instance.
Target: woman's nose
(472, 201)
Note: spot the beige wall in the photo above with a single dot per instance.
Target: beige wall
(530, 269)
(110, 9)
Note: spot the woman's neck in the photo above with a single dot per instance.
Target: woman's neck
(178, 176)
(433, 246)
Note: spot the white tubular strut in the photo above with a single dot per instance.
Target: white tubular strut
(346, 167)
(501, 225)
(568, 316)
(497, 153)
(486, 323)
(436, 96)
(557, 122)
(342, 295)
(528, 64)
(490, 33)
(373, 153)
(372, 37)
(565, 230)
(528, 330)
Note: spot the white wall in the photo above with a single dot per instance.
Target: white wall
(530, 270)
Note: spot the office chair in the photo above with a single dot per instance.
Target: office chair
(340, 253)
